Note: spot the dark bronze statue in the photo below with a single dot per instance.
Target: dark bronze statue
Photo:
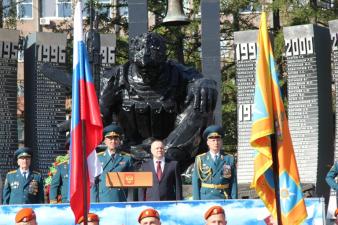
(152, 97)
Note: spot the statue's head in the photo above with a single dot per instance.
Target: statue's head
(147, 50)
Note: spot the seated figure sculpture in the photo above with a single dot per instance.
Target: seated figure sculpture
(152, 97)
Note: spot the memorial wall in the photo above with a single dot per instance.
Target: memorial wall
(307, 53)
(245, 56)
(309, 101)
(8, 99)
(44, 98)
(108, 48)
(333, 26)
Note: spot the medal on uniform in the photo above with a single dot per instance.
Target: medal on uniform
(15, 185)
(33, 187)
(226, 171)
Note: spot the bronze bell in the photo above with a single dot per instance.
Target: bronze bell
(175, 15)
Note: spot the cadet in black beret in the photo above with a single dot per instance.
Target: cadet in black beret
(112, 161)
(23, 186)
(214, 176)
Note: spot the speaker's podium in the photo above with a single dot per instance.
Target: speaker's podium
(129, 179)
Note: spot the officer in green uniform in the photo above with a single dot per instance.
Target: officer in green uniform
(331, 177)
(214, 175)
(60, 183)
(112, 161)
(60, 180)
(23, 186)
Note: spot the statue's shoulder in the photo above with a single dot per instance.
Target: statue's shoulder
(115, 76)
(125, 153)
(100, 153)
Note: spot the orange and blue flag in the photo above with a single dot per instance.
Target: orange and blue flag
(86, 123)
(269, 118)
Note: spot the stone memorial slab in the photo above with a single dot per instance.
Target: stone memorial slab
(108, 53)
(211, 53)
(245, 55)
(8, 99)
(307, 53)
(44, 98)
(333, 26)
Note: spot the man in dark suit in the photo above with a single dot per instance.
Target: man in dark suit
(167, 184)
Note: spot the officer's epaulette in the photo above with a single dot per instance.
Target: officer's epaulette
(100, 153)
(36, 172)
(60, 163)
(125, 153)
(229, 155)
(10, 172)
(200, 155)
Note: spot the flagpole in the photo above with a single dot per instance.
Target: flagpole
(275, 166)
(85, 173)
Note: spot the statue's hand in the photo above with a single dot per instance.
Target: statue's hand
(202, 94)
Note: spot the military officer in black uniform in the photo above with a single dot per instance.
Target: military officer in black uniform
(23, 186)
(214, 175)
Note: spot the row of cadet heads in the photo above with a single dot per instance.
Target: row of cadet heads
(150, 216)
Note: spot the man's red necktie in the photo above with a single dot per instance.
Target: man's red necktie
(159, 170)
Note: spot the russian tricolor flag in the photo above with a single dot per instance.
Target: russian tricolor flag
(86, 123)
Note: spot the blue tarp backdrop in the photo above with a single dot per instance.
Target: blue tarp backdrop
(238, 212)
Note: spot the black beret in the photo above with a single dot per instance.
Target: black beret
(112, 131)
(213, 131)
(23, 151)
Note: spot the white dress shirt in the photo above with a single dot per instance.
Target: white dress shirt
(162, 163)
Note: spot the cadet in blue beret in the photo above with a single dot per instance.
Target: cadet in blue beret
(214, 176)
(112, 161)
(23, 186)
(60, 180)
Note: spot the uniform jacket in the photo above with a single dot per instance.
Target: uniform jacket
(100, 192)
(60, 183)
(18, 190)
(331, 175)
(209, 172)
(168, 188)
